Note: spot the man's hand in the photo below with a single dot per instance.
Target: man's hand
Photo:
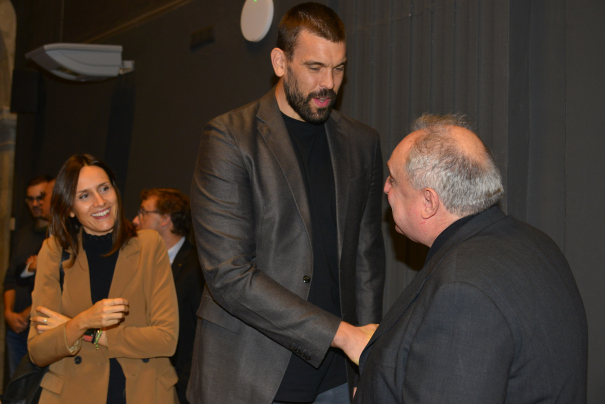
(352, 340)
(15, 321)
(33, 263)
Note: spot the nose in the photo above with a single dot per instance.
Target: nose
(328, 80)
(98, 201)
(136, 221)
(387, 186)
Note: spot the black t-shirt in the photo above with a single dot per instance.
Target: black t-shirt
(302, 382)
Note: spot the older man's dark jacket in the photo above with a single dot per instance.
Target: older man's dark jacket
(494, 316)
(253, 230)
(189, 284)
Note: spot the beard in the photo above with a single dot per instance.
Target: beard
(303, 105)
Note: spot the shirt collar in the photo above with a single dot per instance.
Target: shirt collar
(174, 250)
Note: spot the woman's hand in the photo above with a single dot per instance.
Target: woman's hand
(104, 313)
(52, 319)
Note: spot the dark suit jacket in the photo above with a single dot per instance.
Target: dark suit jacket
(253, 231)
(493, 317)
(189, 283)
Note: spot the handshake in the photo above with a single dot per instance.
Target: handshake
(352, 340)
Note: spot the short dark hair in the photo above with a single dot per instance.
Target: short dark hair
(39, 180)
(315, 18)
(174, 203)
(65, 228)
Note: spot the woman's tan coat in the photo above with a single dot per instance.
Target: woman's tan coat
(142, 343)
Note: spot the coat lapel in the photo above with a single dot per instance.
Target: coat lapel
(273, 130)
(181, 259)
(76, 284)
(126, 267)
(341, 166)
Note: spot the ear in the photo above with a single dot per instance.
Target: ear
(278, 60)
(72, 214)
(166, 220)
(431, 203)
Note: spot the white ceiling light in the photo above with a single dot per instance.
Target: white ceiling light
(81, 62)
(256, 19)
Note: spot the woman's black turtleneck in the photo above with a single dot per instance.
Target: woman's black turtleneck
(101, 271)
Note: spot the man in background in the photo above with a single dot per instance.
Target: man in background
(19, 277)
(48, 193)
(286, 200)
(167, 212)
(495, 315)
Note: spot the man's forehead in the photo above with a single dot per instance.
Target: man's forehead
(309, 44)
(36, 189)
(150, 200)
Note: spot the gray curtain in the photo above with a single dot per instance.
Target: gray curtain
(529, 73)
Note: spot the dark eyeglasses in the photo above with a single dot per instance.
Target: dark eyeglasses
(32, 199)
(142, 212)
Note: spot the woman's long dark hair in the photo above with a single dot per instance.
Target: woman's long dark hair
(65, 228)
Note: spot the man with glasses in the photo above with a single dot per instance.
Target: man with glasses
(167, 212)
(19, 279)
(48, 193)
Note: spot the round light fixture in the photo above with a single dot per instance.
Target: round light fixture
(256, 19)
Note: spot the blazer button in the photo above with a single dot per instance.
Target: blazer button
(78, 360)
(306, 279)
(145, 360)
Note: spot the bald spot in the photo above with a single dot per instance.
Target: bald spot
(465, 141)
(468, 143)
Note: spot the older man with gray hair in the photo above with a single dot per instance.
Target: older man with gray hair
(495, 315)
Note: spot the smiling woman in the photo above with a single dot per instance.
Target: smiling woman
(115, 312)
(96, 201)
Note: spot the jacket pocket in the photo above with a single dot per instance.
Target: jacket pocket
(168, 378)
(211, 311)
(52, 382)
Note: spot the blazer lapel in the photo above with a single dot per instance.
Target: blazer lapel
(181, 259)
(273, 130)
(76, 284)
(126, 266)
(341, 166)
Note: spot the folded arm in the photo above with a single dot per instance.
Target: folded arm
(160, 336)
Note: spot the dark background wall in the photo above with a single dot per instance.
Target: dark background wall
(529, 72)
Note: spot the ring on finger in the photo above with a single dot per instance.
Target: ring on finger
(45, 320)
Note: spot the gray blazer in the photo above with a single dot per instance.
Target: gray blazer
(253, 231)
(493, 317)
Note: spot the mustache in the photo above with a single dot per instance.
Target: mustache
(323, 93)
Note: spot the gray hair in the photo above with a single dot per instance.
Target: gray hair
(466, 184)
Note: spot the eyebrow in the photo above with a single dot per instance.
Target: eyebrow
(312, 63)
(88, 190)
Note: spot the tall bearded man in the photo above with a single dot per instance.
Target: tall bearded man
(287, 213)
